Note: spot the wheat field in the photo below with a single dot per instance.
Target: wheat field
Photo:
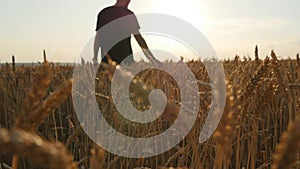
(259, 128)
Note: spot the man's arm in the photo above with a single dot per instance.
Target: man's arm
(96, 47)
(141, 41)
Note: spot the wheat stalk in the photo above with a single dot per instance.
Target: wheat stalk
(36, 149)
(226, 131)
(288, 148)
(98, 157)
(34, 118)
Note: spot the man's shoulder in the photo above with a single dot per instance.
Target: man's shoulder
(107, 8)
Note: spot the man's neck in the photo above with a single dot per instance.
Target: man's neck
(121, 5)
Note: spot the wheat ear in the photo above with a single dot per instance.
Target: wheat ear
(34, 147)
(288, 148)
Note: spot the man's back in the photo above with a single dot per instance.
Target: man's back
(122, 49)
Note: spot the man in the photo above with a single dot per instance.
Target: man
(121, 49)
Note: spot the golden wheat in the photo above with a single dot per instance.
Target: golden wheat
(262, 99)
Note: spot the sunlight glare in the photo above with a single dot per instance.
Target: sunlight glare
(189, 10)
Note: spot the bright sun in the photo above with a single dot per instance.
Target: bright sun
(189, 10)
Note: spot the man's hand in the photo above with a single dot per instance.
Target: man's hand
(95, 60)
(141, 41)
(150, 56)
(96, 47)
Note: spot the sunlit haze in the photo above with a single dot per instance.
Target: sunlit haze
(233, 27)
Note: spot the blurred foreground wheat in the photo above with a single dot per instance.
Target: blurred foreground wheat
(259, 127)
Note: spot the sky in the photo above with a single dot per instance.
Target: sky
(233, 27)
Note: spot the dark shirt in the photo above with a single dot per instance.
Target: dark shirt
(121, 49)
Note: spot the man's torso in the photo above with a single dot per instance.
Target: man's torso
(122, 47)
